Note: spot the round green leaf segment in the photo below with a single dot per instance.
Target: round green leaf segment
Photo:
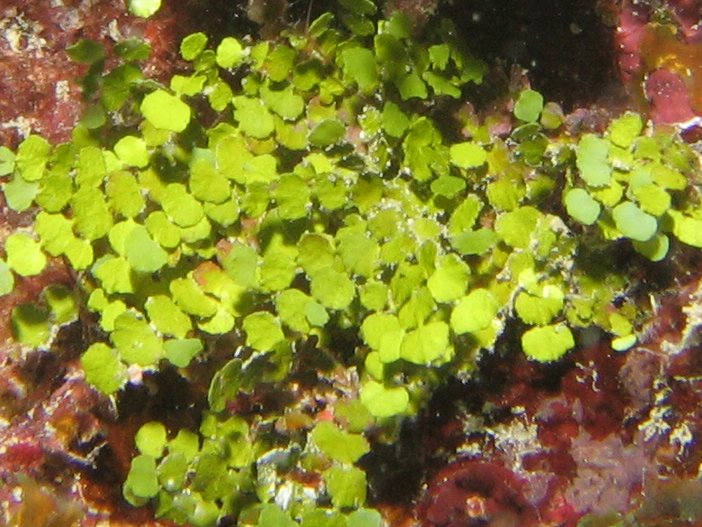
(7, 280)
(624, 130)
(581, 206)
(24, 254)
(426, 344)
(384, 401)
(150, 439)
(327, 133)
(142, 252)
(474, 312)
(360, 66)
(592, 160)
(30, 324)
(192, 45)
(273, 516)
(339, 444)
(91, 213)
(180, 206)
(516, 227)
(132, 151)
(654, 249)
(633, 222)
(449, 280)
(142, 480)
(547, 343)
(254, 118)
(167, 316)
(103, 368)
(181, 351)
(136, 341)
(467, 155)
(333, 289)
(528, 106)
(688, 230)
(32, 156)
(20, 193)
(144, 8)
(165, 111)
(263, 331)
(539, 310)
(229, 52)
(189, 297)
(346, 485)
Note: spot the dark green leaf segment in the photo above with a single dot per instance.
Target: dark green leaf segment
(325, 200)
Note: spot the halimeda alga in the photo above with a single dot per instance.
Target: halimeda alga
(314, 234)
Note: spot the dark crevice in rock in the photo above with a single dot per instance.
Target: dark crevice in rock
(564, 44)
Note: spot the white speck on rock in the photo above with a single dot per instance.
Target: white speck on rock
(63, 90)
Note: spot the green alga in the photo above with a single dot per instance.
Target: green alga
(328, 221)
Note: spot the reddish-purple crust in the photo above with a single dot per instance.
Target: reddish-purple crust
(602, 431)
(659, 55)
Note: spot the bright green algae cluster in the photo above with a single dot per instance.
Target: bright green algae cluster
(322, 194)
